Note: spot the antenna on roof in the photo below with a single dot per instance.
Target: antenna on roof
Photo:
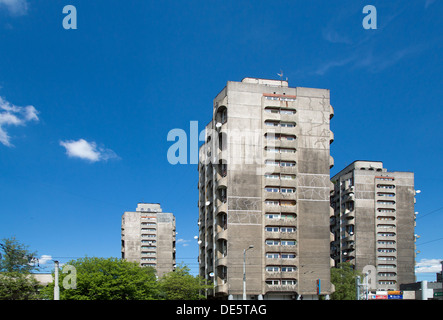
(281, 76)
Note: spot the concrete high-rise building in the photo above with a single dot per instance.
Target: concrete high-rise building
(264, 188)
(373, 222)
(148, 237)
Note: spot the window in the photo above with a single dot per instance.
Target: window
(385, 178)
(385, 194)
(287, 164)
(272, 110)
(287, 150)
(385, 242)
(271, 136)
(272, 269)
(287, 124)
(271, 229)
(272, 202)
(290, 138)
(387, 282)
(386, 186)
(387, 274)
(287, 229)
(271, 255)
(271, 176)
(386, 258)
(385, 202)
(272, 163)
(288, 255)
(386, 234)
(287, 190)
(288, 269)
(288, 282)
(148, 259)
(287, 111)
(273, 150)
(272, 189)
(288, 216)
(287, 176)
(272, 216)
(387, 266)
(385, 250)
(271, 123)
(272, 282)
(386, 210)
(288, 242)
(272, 242)
(287, 203)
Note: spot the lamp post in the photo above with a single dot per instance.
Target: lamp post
(56, 288)
(244, 271)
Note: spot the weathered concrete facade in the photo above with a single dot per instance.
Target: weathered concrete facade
(373, 222)
(148, 237)
(264, 182)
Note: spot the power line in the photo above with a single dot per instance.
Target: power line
(426, 214)
(429, 241)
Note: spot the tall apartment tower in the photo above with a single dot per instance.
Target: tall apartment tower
(373, 223)
(148, 237)
(264, 188)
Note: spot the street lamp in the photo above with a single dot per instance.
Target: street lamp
(244, 271)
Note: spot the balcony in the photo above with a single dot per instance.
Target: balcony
(349, 214)
(222, 261)
(222, 235)
(221, 289)
(222, 206)
(222, 182)
(281, 222)
(281, 262)
(279, 274)
(280, 288)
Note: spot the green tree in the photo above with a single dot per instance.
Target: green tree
(107, 279)
(16, 264)
(343, 277)
(181, 285)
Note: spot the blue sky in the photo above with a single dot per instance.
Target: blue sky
(85, 113)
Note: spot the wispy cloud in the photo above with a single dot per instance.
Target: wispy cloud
(12, 115)
(87, 150)
(184, 242)
(428, 3)
(371, 60)
(333, 36)
(15, 7)
(44, 259)
(428, 266)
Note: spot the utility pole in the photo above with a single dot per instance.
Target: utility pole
(56, 287)
(244, 271)
(357, 287)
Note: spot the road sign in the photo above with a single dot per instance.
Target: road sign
(438, 294)
(395, 296)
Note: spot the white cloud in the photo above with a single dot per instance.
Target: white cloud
(183, 242)
(11, 115)
(44, 259)
(428, 266)
(15, 7)
(87, 150)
